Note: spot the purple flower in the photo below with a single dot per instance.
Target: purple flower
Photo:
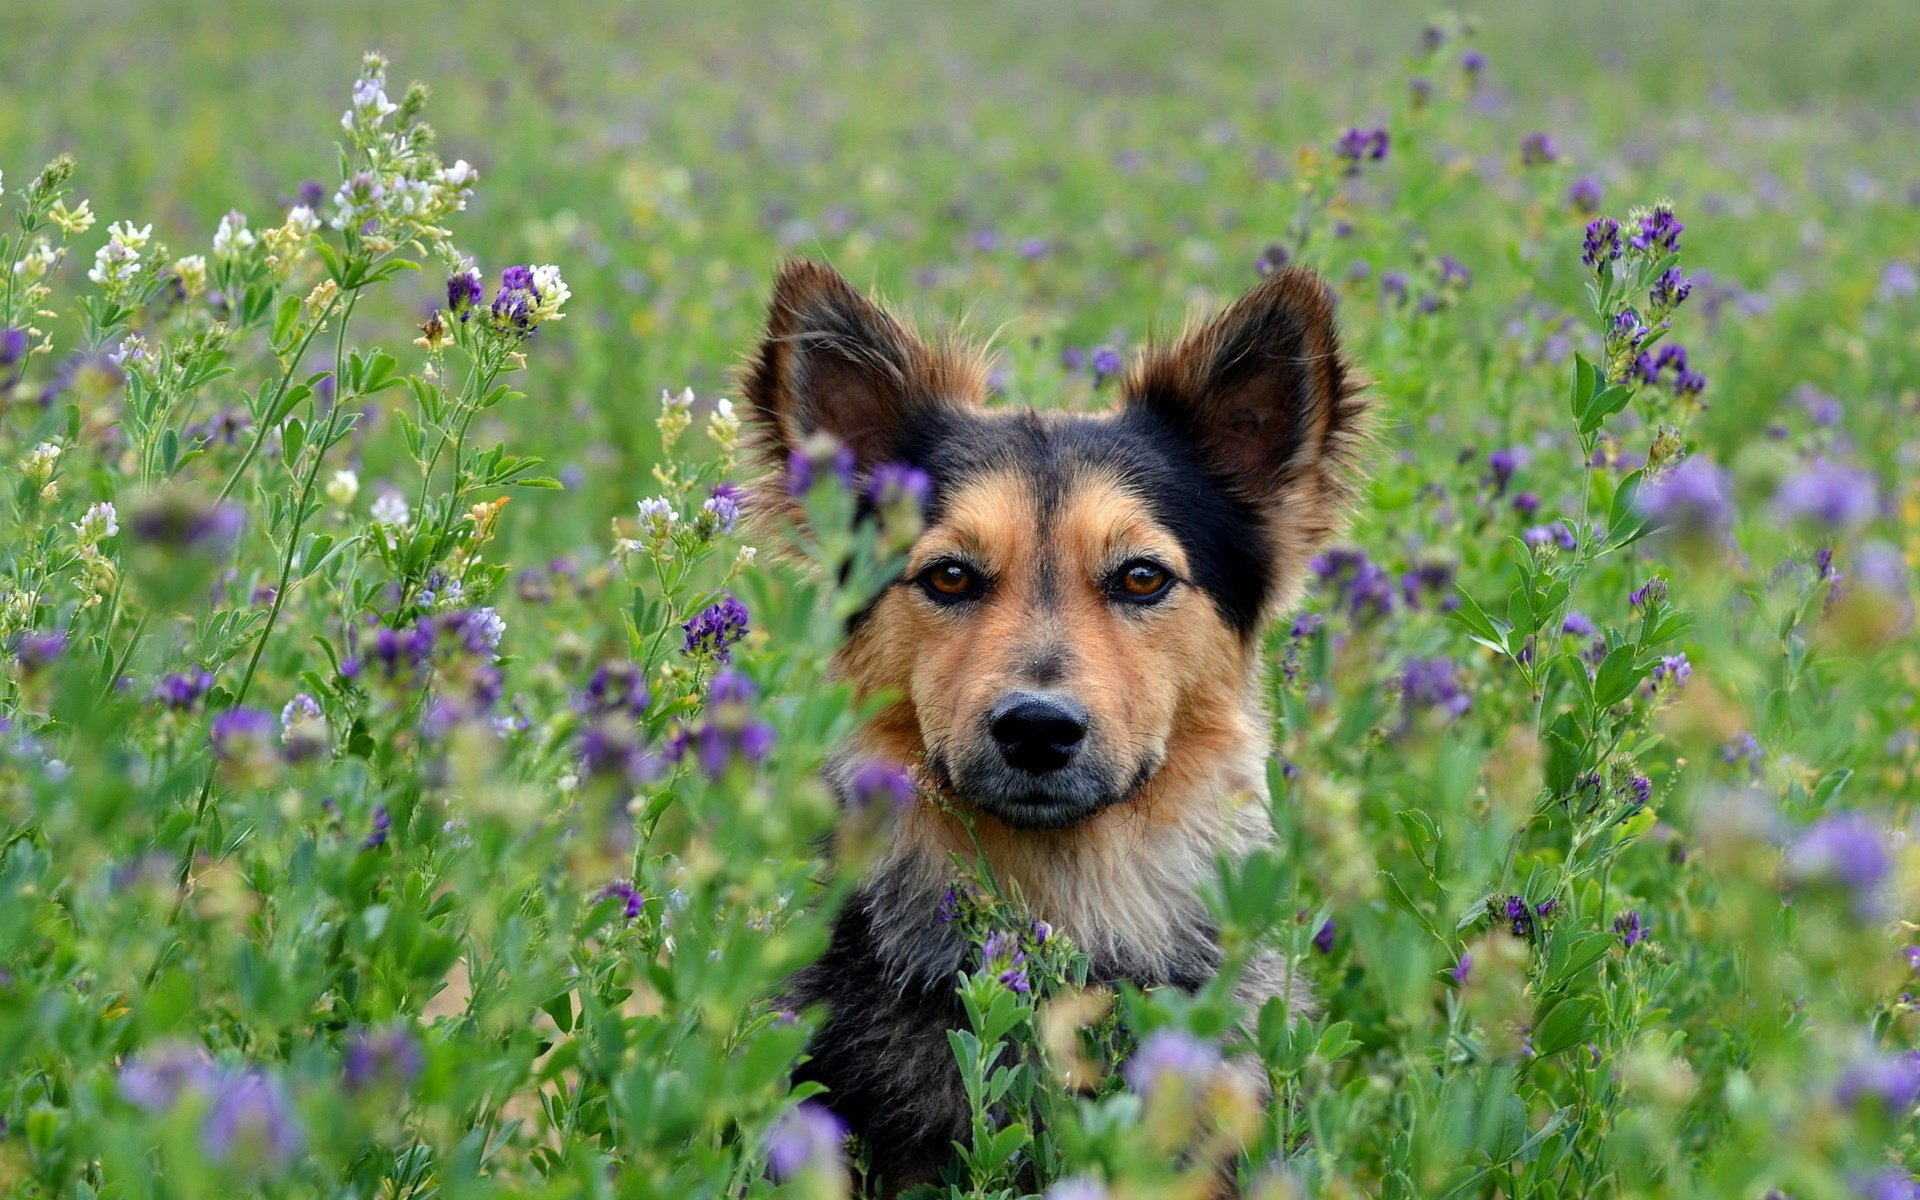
(155, 1079)
(817, 462)
(1653, 591)
(183, 690)
(389, 1057)
(1669, 291)
(1393, 286)
(1845, 850)
(1630, 928)
(1073, 358)
(175, 521)
(880, 785)
(1602, 242)
(1658, 231)
(1890, 1080)
(1526, 504)
(1828, 494)
(1463, 968)
(1033, 249)
(241, 733)
(36, 651)
(382, 826)
(251, 1121)
(728, 731)
(1361, 145)
(1273, 258)
(1473, 62)
(1454, 273)
(1079, 1187)
(1690, 499)
(895, 484)
(807, 1139)
(13, 345)
(1890, 1184)
(1822, 409)
(1519, 917)
(1639, 791)
(1501, 465)
(716, 629)
(1002, 955)
(1538, 150)
(1559, 533)
(1899, 280)
(720, 512)
(1584, 196)
(1626, 331)
(1360, 585)
(463, 292)
(1433, 685)
(1170, 1057)
(1323, 938)
(1106, 363)
(1674, 667)
(616, 687)
(1578, 624)
(631, 901)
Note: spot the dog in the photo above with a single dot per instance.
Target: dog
(1070, 657)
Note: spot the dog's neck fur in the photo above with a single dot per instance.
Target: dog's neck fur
(1123, 885)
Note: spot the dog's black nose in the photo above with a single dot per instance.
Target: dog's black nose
(1038, 733)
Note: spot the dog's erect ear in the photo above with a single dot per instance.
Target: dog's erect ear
(1262, 395)
(833, 361)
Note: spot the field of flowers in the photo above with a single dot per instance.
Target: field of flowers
(409, 749)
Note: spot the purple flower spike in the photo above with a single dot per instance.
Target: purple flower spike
(1170, 1057)
(808, 1139)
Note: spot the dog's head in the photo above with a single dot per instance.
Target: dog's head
(1085, 600)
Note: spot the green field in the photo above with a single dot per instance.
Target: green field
(388, 966)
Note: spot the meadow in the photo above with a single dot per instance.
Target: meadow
(409, 751)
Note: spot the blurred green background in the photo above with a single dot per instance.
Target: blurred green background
(667, 155)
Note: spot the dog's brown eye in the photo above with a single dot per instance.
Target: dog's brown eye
(1143, 581)
(950, 580)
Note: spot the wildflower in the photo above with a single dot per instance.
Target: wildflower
(391, 511)
(728, 730)
(101, 521)
(251, 1122)
(822, 456)
(1584, 196)
(1361, 145)
(1170, 1058)
(117, 264)
(720, 513)
(1432, 685)
(715, 629)
(1691, 499)
(382, 826)
(1843, 850)
(303, 728)
(880, 785)
(1472, 62)
(240, 733)
(389, 1057)
(1674, 667)
(1639, 790)
(1463, 968)
(1602, 243)
(1822, 409)
(1323, 937)
(72, 221)
(1656, 231)
(723, 427)
(1899, 280)
(807, 1140)
(1631, 929)
(1273, 258)
(190, 272)
(1891, 1081)
(1001, 954)
(631, 901)
(1827, 494)
(1558, 533)
(1501, 464)
(617, 687)
(1360, 585)
(1669, 291)
(232, 239)
(183, 690)
(1519, 917)
(156, 1079)
(463, 292)
(1106, 364)
(657, 518)
(1078, 1187)
(1454, 273)
(358, 201)
(1626, 331)
(343, 487)
(1577, 624)
(175, 521)
(1653, 591)
(1538, 150)
(1393, 286)
(453, 186)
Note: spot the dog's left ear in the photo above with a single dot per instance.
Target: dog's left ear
(1263, 397)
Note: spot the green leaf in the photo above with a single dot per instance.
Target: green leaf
(1565, 1025)
(1573, 954)
(1583, 381)
(1619, 674)
(1604, 405)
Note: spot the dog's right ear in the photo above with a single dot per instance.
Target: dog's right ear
(834, 362)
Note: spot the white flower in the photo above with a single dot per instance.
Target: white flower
(75, 220)
(191, 271)
(301, 221)
(101, 521)
(391, 510)
(358, 199)
(132, 349)
(39, 259)
(411, 198)
(342, 488)
(118, 262)
(551, 292)
(370, 104)
(38, 464)
(233, 238)
(455, 185)
(724, 425)
(490, 625)
(669, 401)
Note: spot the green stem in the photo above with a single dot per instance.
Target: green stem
(286, 379)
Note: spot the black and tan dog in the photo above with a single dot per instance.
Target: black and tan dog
(1072, 650)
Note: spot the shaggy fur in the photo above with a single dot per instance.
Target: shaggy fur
(1230, 458)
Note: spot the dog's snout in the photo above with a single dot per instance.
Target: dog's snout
(1038, 733)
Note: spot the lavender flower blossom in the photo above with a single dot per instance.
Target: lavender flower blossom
(1828, 494)
(631, 901)
(388, 1058)
(1170, 1058)
(716, 629)
(808, 1139)
(1691, 499)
